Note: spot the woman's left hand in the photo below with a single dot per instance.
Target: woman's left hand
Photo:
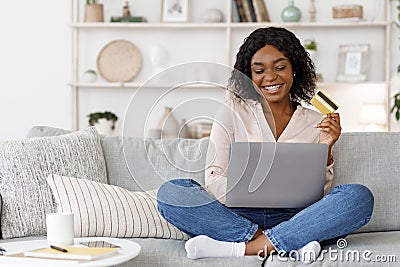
(330, 129)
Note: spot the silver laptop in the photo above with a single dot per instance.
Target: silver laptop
(276, 175)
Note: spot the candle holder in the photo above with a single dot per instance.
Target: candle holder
(312, 11)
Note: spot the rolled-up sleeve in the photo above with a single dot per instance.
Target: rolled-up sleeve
(218, 154)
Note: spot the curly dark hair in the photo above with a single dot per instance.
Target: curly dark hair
(287, 43)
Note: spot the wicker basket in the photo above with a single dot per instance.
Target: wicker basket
(347, 11)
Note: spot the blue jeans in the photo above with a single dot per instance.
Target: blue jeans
(346, 208)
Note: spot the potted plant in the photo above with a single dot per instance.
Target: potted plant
(396, 106)
(395, 85)
(311, 46)
(103, 121)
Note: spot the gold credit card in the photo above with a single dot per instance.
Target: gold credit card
(324, 103)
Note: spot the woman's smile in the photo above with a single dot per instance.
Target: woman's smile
(271, 89)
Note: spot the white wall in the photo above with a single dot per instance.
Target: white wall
(34, 65)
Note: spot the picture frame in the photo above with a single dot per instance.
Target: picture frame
(353, 63)
(175, 11)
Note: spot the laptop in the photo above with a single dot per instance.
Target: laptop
(276, 175)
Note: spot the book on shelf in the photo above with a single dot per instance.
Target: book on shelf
(240, 8)
(235, 12)
(261, 11)
(252, 11)
(249, 10)
(129, 19)
(73, 253)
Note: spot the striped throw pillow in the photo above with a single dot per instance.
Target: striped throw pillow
(112, 211)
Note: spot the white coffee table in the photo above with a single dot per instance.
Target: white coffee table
(128, 251)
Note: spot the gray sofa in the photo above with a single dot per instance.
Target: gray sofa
(366, 158)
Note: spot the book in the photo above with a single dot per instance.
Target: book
(74, 253)
(247, 8)
(240, 8)
(261, 11)
(20, 258)
(129, 19)
(235, 13)
(252, 11)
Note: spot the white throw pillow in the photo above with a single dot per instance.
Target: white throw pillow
(24, 167)
(108, 210)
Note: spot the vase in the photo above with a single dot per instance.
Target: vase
(184, 129)
(168, 124)
(312, 11)
(104, 126)
(89, 76)
(94, 13)
(291, 13)
(213, 15)
(154, 133)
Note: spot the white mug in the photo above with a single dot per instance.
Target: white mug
(60, 229)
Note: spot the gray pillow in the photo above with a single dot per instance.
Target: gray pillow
(42, 131)
(24, 167)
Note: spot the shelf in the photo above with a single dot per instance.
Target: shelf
(138, 85)
(342, 84)
(205, 85)
(197, 40)
(146, 25)
(310, 24)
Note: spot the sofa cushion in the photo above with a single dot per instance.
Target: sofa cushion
(140, 164)
(166, 252)
(24, 167)
(107, 210)
(144, 164)
(172, 253)
(379, 248)
(372, 159)
(42, 131)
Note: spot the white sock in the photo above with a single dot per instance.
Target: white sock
(205, 247)
(310, 252)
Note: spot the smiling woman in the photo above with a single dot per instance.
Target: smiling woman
(273, 75)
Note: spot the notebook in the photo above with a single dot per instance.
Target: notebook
(74, 253)
(276, 175)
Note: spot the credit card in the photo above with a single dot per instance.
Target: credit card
(324, 103)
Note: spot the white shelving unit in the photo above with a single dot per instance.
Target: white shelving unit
(227, 37)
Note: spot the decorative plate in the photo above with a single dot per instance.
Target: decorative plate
(119, 61)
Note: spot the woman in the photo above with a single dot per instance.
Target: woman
(273, 74)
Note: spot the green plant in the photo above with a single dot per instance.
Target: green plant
(88, 2)
(396, 97)
(310, 44)
(396, 22)
(94, 117)
(396, 101)
(396, 106)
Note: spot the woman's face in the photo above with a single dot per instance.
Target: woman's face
(272, 72)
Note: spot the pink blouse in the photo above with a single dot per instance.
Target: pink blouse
(239, 121)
